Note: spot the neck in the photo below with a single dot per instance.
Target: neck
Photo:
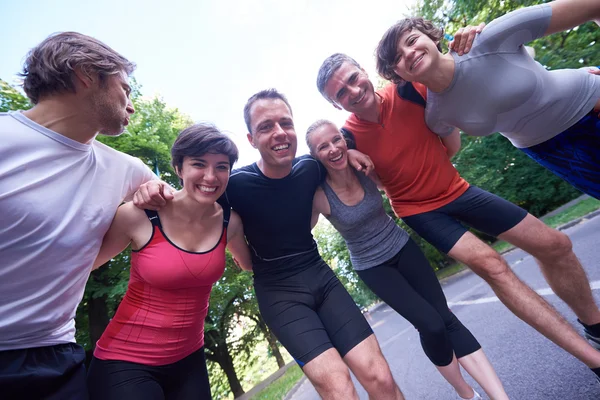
(373, 114)
(274, 172)
(64, 116)
(441, 74)
(340, 177)
(185, 208)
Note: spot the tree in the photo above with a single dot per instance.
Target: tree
(11, 99)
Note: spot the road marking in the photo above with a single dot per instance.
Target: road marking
(542, 292)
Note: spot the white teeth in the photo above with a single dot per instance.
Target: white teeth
(207, 189)
(281, 147)
(336, 159)
(416, 61)
(361, 97)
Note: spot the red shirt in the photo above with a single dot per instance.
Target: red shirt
(161, 318)
(410, 159)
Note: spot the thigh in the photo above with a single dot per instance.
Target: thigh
(486, 212)
(189, 379)
(50, 372)
(344, 322)
(437, 227)
(573, 155)
(391, 286)
(289, 310)
(115, 380)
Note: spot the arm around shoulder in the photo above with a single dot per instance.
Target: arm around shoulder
(236, 242)
(567, 14)
(452, 142)
(118, 236)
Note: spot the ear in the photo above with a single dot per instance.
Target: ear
(84, 78)
(178, 171)
(251, 139)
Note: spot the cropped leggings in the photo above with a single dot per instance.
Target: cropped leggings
(408, 284)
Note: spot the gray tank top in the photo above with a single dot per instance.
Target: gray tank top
(498, 87)
(371, 235)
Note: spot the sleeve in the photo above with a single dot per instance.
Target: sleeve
(140, 174)
(514, 29)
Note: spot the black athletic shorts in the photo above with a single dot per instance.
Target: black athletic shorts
(476, 208)
(310, 312)
(50, 373)
(186, 379)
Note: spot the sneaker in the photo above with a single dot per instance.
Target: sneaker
(592, 339)
(476, 396)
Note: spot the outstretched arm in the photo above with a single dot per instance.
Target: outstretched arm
(567, 14)
(236, 242)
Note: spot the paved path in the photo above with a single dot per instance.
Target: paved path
(530, 366)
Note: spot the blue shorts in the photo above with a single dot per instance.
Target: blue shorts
(574, 155)
(482, 210)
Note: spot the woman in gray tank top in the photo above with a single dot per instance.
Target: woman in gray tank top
(393, 266)
(551, 115)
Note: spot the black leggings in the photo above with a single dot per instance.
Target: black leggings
(408, 284)
(186, 379)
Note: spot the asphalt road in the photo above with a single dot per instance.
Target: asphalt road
(530, 366)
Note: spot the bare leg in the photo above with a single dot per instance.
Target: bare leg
(372, 371)
(520, 298)
(330, 376)
(480, 368)
(554, 253)
(452, 374)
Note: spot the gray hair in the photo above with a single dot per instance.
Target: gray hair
(329, 67)
(313, 127)
(49, 67)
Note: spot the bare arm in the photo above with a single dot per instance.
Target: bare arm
(567, 14)
(320, 206)
(236, 242)
(118, 236)
(375, 178)
(360, 161)
(452, 143)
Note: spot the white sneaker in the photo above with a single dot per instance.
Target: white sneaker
(476, 396)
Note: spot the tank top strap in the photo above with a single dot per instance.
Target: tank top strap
(153, 217)
(226, 215)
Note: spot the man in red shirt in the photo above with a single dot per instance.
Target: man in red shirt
(427, 192)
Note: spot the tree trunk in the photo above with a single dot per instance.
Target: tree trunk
(272, 340)
(226, 363)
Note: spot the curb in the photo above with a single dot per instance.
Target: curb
(295, 388)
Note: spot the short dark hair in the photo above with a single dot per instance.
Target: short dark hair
(49, 66)
(313, 127)
(262, 95)
(329, 67)
(387, 49)
(200, 139)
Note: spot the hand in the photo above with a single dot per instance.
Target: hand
(464, 37)
(594, 70)
(153, 195)
(360, 161)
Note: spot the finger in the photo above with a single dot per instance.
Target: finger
(451, 44)
(480, 27)
(594, 71)
(470, 39)
(460, 42)
(168, 192)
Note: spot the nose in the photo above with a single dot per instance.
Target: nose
(210, 175)
(130, 110)
(278, 130)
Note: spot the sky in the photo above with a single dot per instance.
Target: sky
(206, 58)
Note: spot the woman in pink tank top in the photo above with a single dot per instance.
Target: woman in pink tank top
(153, 346)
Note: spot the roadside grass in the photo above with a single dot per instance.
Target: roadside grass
(578, 210)
(279, 388)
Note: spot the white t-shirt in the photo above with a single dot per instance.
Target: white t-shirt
(57, 200)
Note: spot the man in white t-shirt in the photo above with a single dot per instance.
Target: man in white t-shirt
(59, 191)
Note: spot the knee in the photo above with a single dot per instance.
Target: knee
(336, 382)
(490, 266)
(377, 374)
(433, 330)
(558, 245)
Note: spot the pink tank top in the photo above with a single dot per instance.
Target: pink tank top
(161, 318)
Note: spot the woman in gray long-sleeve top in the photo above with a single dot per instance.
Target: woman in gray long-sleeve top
(393, 266)
(552, 116)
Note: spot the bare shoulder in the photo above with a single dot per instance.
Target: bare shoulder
(235, 221)
(129, 215)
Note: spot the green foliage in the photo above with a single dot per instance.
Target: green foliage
(11, 99)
